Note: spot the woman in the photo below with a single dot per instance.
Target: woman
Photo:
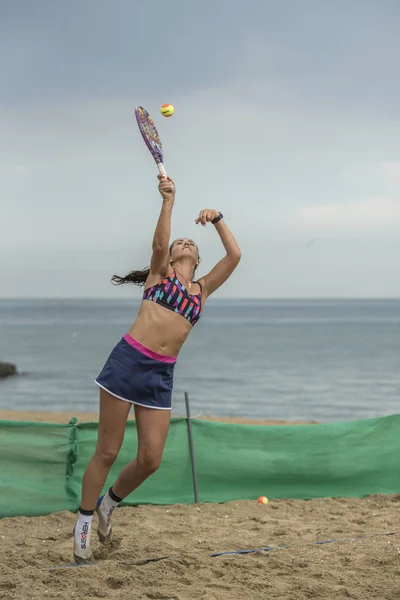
(140, 369)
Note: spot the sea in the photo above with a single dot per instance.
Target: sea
(322, 360)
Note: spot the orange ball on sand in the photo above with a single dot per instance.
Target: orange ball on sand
(262, 500)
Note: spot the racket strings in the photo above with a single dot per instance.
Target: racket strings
(150, 134)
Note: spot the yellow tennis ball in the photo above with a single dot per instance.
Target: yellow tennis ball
(262, 500)
(167, 110)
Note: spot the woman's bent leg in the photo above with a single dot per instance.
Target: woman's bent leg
(152, 429)
(112, 422)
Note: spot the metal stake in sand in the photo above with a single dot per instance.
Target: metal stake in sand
(191, 448)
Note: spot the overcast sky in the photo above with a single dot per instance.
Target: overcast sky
(287, 120)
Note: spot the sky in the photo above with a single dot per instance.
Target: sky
(287, 120)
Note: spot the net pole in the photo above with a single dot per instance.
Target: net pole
(191, 448)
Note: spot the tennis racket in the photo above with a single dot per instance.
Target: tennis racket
(152, 139)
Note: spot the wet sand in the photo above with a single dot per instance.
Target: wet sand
(65, 417)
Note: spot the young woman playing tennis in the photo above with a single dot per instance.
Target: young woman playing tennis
(140, 368)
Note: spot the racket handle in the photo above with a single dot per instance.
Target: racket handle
(162, 170)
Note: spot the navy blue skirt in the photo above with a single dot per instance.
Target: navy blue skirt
(138, 375)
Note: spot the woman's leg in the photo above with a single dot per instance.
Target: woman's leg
(152, 430)
(112, 423)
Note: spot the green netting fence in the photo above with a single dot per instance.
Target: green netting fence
(42, 464)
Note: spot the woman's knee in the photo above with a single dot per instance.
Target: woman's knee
(107, 457)
(148, 461)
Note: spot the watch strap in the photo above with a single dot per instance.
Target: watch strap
(220, 216)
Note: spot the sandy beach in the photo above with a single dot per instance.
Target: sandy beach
(36, 552)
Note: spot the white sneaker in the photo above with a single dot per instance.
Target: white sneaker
(104, 530)
(82, 550)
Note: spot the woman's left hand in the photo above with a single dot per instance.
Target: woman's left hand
(206, 216)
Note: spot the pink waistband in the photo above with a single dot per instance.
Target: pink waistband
(147, 352)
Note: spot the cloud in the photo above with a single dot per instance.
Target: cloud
(372, 214)
(369, 215)
(18, 169)
(390, 171)
(272, 130)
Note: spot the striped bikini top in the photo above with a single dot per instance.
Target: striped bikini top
(172, 294)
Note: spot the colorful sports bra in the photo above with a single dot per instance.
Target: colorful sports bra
(172, 294)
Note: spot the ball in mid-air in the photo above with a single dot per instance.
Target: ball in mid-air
(167, 110)
(262, 500)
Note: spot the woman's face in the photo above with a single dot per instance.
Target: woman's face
(184, 248)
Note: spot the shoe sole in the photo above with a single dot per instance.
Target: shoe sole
(83, 561)
(103, 539)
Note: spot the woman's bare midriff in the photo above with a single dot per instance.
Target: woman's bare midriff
(160, 329)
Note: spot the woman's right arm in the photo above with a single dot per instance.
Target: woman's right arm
(160, 255)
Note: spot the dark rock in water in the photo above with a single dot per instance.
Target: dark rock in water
(7, 369)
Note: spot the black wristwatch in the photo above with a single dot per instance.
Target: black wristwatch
(220, 216)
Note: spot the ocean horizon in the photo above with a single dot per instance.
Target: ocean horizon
(323, 359)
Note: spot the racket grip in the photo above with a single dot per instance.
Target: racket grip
(162, 170)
